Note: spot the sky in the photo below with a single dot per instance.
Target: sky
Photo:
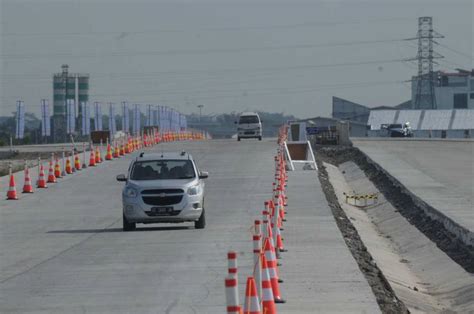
(228, 55)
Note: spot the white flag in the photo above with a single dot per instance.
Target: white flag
(70, 116)
(136, 120)
(97, 117)
(112, 128)
(86, 118)
(45, 118)
(125, 117)
(20, 120)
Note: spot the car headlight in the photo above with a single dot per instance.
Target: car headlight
(194, 190)
(130, 192)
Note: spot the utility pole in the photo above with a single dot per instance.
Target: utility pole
(426, 80)
(200, 112)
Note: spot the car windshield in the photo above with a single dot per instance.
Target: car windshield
(248, 119)
(163, 170)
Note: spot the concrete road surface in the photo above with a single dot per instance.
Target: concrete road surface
(62, 250)
(440, 172)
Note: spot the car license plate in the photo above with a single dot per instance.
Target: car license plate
(162, 210)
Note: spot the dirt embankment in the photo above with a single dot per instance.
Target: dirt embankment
(399, 197)
(385, 296)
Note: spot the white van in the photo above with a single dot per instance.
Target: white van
(249, 126)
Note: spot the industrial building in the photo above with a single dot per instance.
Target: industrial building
(69, 86)
(66, 86)
(452, 90)
(443, 123)
(343, 109)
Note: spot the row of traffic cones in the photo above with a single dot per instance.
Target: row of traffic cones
(119, 148)
(262, 291)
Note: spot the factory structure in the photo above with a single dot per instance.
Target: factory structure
(453, 116)
(67, 86)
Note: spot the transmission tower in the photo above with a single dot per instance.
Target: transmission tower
(426, 79)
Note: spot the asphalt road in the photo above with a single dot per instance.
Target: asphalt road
(62, 250)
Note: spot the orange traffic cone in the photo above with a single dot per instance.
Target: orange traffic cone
(116, 151)
(51, 177)
(68, 166)
(268, 302)
(251, 303)
(57, 169)
(41, 179)
(11, 194)
(122, 149)
(97, 155)
(77, 162)
(272, 266)
(27, 187)
(108, 155)
(127, 147)
(92, 158)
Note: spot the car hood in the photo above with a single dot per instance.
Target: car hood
(161, 184)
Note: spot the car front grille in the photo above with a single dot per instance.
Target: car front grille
(159, 191)
(162, 200)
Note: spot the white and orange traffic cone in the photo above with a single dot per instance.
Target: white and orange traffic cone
(77, 162)
(11, 193)
(257, 268)
(51, 176)
(232, 264)
(57, 169)
(68, 166)
(268, 301)
(41, 184)
(116, 150)
(272, 267)
(252, 302)
(27, 187)
(108, 155)
(232, 296)
(92, 157)
(97, 155)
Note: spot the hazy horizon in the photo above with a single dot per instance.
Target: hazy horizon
(285, 56)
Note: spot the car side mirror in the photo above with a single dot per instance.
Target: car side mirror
(121, 177)
(203, 175)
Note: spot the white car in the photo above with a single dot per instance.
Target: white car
(249, 126)
(163, 188)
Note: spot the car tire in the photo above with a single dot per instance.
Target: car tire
(259, 138)
(128, 226)
(238, 139)
(201, 222)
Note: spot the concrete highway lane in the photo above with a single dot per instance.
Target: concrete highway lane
(63, 249)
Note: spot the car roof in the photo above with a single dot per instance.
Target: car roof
(164, 156)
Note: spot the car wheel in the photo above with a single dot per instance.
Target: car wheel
(201, 222)
(128, 226)
(238, 139)
(259, 138)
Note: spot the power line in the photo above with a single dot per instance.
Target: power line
(470, 57)
(197, 51)
(253, 70)
(212, 29)
(279, 90)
